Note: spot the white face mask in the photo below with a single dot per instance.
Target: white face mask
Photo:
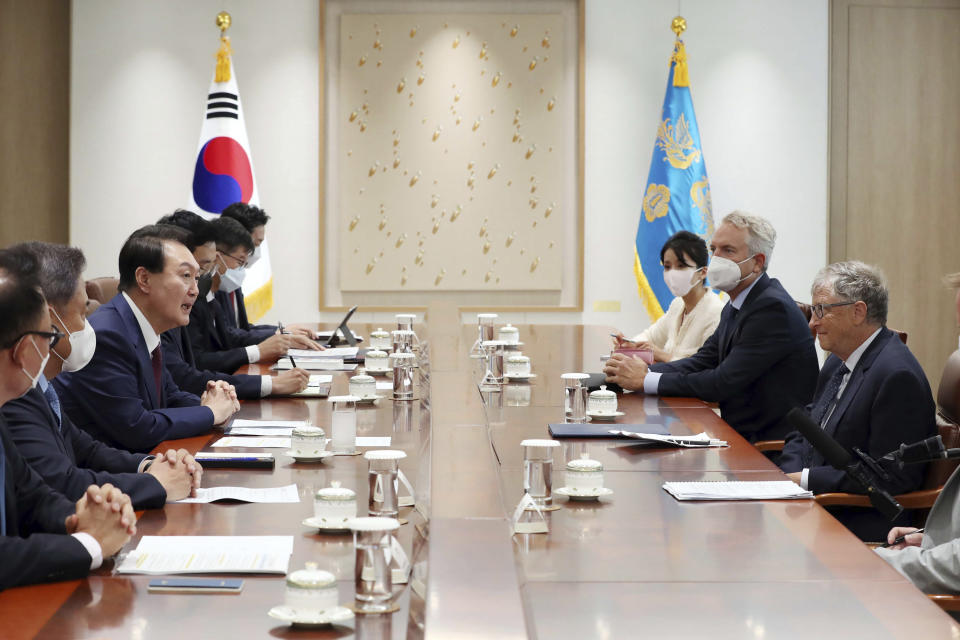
(256, 255)
(680, 281)
(724, 274)
(231, 279)
(83, 344)
(43, 365)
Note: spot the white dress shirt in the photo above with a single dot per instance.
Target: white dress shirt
(146, 329)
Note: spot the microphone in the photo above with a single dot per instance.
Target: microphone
(839, 458)
(923, 451)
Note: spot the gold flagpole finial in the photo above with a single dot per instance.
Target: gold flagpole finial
(678, 26)
(223, 22)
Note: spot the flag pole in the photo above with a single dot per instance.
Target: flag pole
(223, 22)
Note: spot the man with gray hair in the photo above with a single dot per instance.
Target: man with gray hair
(872, 393)
(760, 362)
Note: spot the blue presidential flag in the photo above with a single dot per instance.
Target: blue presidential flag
(677, 196)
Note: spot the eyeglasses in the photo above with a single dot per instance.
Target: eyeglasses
(52, 336)
(243, 263)
(818, 309)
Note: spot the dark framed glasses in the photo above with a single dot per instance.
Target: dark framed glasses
(241, 261)
(818, 309)
(53, 337)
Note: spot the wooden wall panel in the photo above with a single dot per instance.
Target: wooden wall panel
(34, 120)
(895, 158)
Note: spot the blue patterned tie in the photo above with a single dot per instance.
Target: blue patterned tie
(54, 401)
(829, 396)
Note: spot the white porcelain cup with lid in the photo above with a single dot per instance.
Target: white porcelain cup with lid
(584, 473)
(380, 339)
(518, 365)
(335, 505)
(377, 360)
(362, 385)
(508, 334)
(308, 440)
(311, 592)
(602, 401)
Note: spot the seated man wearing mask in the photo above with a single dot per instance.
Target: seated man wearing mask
(217, 345)
(760, 362)
(178, 355)
(125, 396)
(872, 393)
(43, 535)
(693, 315)
(68, 458)
(254, 220)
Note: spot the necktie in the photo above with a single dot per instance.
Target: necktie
(233, 307)
(157, 358)
(829, 397)
(54, 401)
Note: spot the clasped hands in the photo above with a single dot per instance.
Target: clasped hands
(221, 398)
(626, 371)
(178, 473)
(105, 513)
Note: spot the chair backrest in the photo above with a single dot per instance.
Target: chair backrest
(948, 393)
(939, 470)
(102, 289)
(901, 334)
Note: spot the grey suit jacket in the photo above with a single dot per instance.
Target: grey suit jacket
(934, 566)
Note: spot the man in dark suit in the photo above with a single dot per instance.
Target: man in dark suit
(124, 396)
(67, 458)
(254, 220)
(43, 535)
(760, 362)
(217, 345)
(871, 394)
(178, 353)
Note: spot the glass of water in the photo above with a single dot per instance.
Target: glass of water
(383, 465)
(484, 331)
(344, 429)
(373, 578)
(403, 371)
(493, 352)
(538, 470)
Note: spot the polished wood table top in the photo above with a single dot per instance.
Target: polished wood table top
(633, 564)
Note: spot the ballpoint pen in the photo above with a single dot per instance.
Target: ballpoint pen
(900, 539)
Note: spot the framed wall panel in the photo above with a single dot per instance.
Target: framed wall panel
(452, 154)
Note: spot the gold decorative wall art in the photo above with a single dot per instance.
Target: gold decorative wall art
(453, 154)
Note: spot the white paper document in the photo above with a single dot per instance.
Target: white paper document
(270, 495)
(209, 554)
(373, 441)
(239, 422)
(331, 352)
(261, 431)
(315, 364)
(265, 442)
(384, 385)
(699, 440)
(317, 379)
(737, 490)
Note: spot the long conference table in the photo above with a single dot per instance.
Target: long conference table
(635, 564)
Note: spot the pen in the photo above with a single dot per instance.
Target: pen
(280, 327)
(900, 539)
(292, 363)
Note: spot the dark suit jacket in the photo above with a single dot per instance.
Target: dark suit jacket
(36, 547)
(887, 402)
(240, 319)
(757, 365)
(114, 397)
(216, 345)
(179, 361)
(69, 460)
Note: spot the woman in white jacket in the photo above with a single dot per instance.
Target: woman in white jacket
(693, 315)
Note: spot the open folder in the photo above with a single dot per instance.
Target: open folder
(737, 490)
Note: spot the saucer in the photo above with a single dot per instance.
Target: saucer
(303, 619)
(302, 458)
(378, 372)
(603, 415)
(512, 346)
(520, 376)
(367, 399)
(317, 523)
(583, 494)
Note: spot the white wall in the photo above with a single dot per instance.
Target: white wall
(758, 69)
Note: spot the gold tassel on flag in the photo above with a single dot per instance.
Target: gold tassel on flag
(224, 52)
(681, 77)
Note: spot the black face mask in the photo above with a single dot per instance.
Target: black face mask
(204, 283)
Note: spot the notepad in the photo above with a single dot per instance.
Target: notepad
(330, 352)
(241, 422)
(260, 431)
(253, 441)
(737, 490)
(268, 495)
(159, 555)
(314, 364)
